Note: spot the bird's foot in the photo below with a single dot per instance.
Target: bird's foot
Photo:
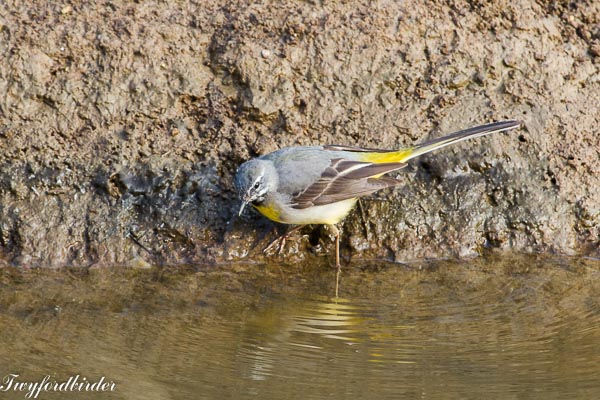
(279, 243)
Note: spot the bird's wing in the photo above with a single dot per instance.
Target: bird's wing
(354, 149)
(345, 179)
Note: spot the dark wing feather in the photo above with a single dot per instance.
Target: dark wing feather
(345, 179)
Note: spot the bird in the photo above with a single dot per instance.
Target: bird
(304, 185)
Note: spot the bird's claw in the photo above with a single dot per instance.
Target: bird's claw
(280, 241)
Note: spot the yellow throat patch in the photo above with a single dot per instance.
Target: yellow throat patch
(268, 211)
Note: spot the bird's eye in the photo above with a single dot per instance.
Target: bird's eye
(256, 185)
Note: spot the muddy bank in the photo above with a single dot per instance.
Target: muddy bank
(121, 125)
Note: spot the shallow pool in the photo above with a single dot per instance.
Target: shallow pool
(505, 327)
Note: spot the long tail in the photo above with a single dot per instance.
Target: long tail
(459, 136)
(406, 154)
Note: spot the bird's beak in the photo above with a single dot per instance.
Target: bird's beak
(244, 204)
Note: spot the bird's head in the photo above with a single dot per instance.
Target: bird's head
(254, 179)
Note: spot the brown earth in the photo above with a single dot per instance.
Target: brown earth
(122, 124)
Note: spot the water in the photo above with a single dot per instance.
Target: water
(510, 327)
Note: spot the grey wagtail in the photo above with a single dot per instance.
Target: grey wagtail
(305, 185)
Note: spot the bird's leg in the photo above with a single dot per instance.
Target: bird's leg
(336, 232)
(363, 218)
(280, 241)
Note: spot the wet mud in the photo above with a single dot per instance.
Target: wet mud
(122, 124)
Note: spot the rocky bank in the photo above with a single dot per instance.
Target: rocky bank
(122, 124)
